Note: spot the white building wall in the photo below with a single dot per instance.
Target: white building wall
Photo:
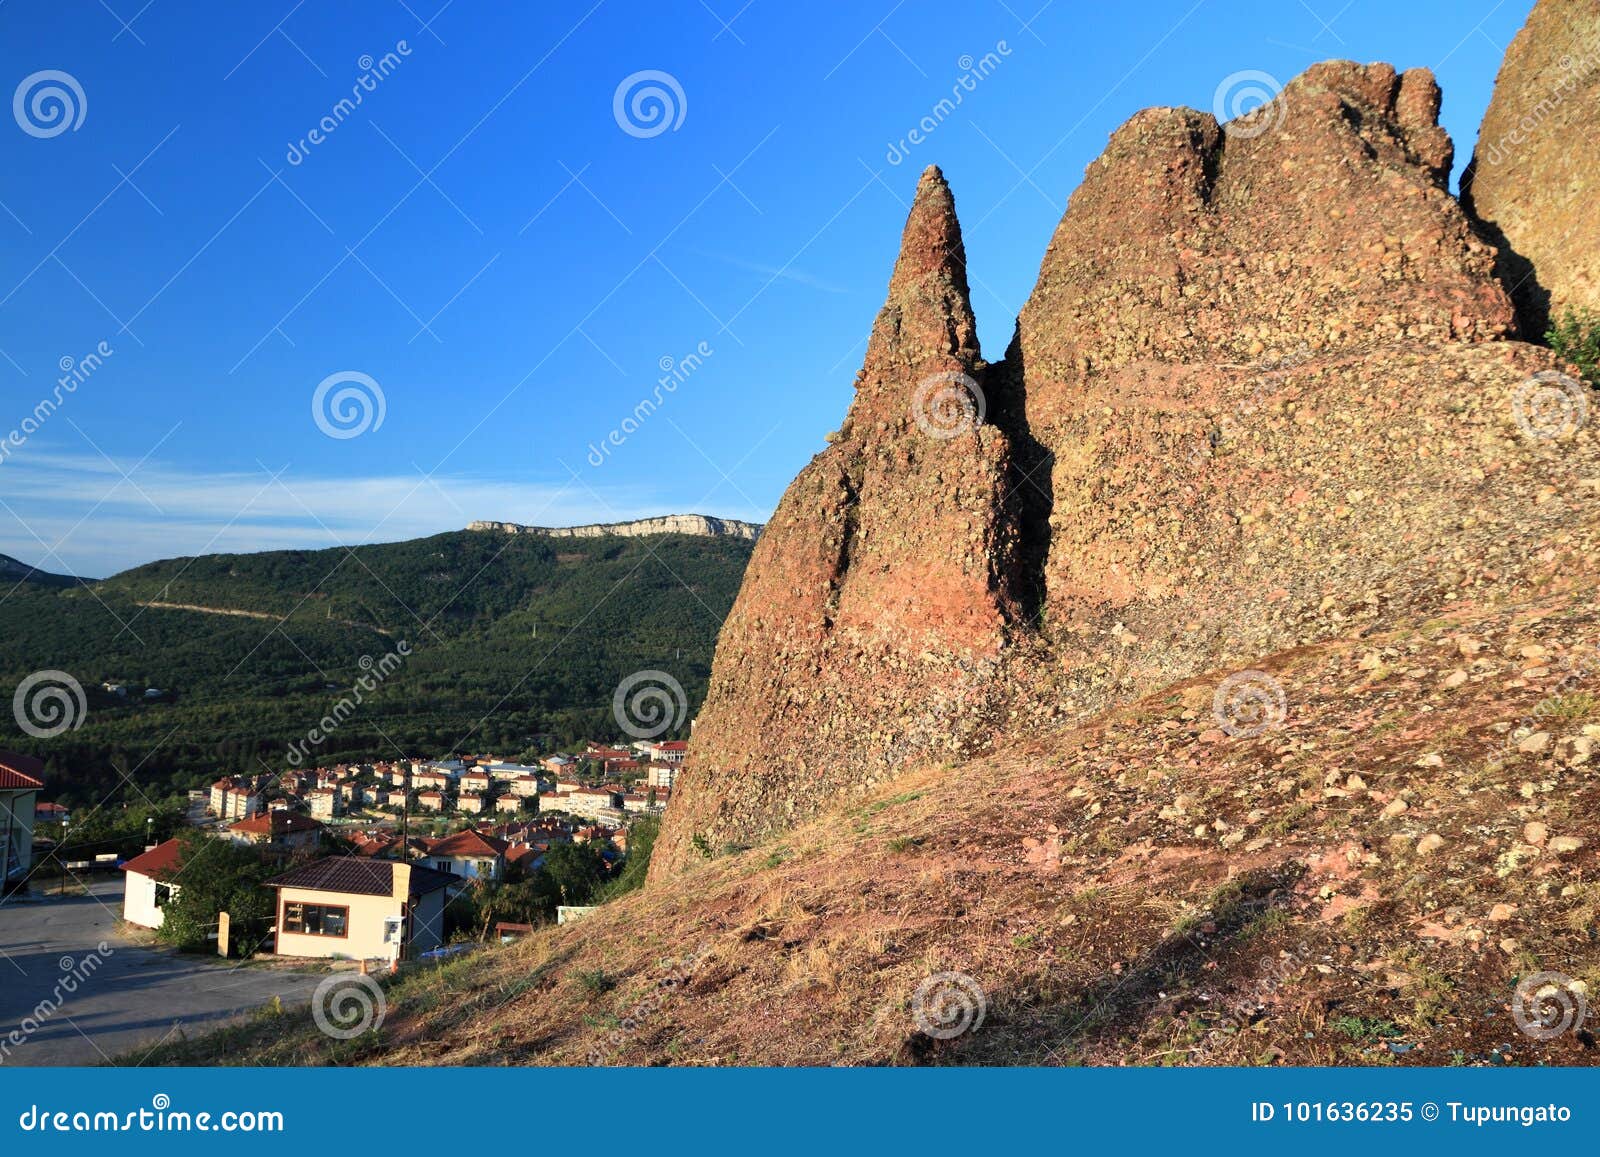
(139, 901)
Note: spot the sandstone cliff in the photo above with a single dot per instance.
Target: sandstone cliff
(700, 525)
(1263, 393)
(1535, 172)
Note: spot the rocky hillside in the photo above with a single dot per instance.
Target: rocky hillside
(1265, 392)
(1363, 881)
(1532, 177)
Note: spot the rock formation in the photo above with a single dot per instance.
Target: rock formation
(700, 525)
(1535, 174)
(1263, 393)
(878, 599)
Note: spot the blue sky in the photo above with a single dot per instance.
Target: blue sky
(510, 262)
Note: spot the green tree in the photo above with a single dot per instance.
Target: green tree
(216, 875)
(641, 843)
(574, 871)
(1575, 335)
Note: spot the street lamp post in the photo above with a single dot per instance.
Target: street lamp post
(61, 852)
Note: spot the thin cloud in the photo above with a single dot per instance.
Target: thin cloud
(76, 513)
(780, 273)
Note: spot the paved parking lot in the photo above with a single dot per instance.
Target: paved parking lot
(126, 997)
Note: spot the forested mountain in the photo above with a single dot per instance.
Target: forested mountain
(510, 638)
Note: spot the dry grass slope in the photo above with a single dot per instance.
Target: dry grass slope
(1363, 885)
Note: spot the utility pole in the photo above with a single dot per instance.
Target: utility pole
(61, 852)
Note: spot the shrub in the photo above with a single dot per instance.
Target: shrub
(1575, 335)
(596, 981)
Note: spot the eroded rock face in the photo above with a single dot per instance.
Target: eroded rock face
(877, 601)
(1262, 394)
(1535, 176)
(1321, 221)
(1215, 355)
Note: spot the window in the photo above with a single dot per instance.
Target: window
(163, 895)
(315, 919)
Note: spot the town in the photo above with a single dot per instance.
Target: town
(373, 862)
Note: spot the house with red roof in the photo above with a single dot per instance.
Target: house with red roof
(21, 778)
(525, 856)
(280, 830)
(470, 855)
(377, 846)
(150, 886)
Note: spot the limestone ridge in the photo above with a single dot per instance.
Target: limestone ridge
(699, 525)
(1261, 395)
(1532, 178)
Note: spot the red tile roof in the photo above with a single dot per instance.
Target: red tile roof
(468, 843)
(20, 772)
(159, 861)
(276, 823)
(358, 877)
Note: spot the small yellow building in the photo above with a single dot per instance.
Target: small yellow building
(350, 908)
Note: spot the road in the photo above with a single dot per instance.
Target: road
(126, 997)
